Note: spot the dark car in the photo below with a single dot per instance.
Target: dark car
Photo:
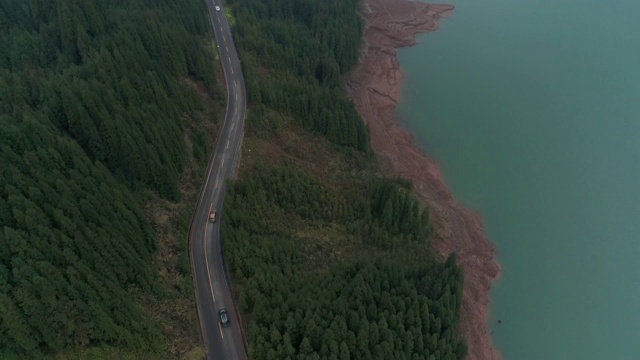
(224, 317)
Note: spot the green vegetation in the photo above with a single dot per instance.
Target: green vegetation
(326, 272)
(105, 110)
(102, 132)
(328, 259)
(305, 47)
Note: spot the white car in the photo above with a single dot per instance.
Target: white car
(217, 8)
(224, 318)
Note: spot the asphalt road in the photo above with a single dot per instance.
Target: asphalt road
(212, 288)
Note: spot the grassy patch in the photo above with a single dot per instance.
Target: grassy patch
(214, 48)
(230, 18)
(340, 172)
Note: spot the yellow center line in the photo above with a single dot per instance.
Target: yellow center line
(220, 328)
(206, 258)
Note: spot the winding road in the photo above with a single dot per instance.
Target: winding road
(212, 286)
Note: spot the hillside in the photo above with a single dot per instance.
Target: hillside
(101, 133)
(107, 111)
(329, 259)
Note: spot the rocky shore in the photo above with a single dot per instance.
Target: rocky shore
(375, 88)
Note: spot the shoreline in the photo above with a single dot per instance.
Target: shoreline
(375, 88)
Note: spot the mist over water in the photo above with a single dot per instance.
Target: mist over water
(532, 110)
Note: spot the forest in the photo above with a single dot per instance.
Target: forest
(329, 259)
(107, 111)
(306, 47)
(96, 99)
(384, 297)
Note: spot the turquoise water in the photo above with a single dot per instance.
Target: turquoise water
(532, 110)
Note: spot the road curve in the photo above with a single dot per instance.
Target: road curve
(211, 283)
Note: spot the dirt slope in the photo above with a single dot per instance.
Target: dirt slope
(375, 88)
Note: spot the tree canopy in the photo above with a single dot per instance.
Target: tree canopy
(93, 102)
(306, 47)
(379, 306)
(328, 259)
(93, 107)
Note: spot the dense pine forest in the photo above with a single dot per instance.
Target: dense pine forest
(107, 113)
(329, 260)
(306, 47)
(99, 119)
(338, 272)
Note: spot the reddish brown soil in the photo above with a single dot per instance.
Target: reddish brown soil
(375, 88)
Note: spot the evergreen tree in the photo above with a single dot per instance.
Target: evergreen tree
(91, 115)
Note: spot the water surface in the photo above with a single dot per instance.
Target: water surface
(532, 110)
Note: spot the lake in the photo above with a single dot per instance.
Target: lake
(532, 111)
